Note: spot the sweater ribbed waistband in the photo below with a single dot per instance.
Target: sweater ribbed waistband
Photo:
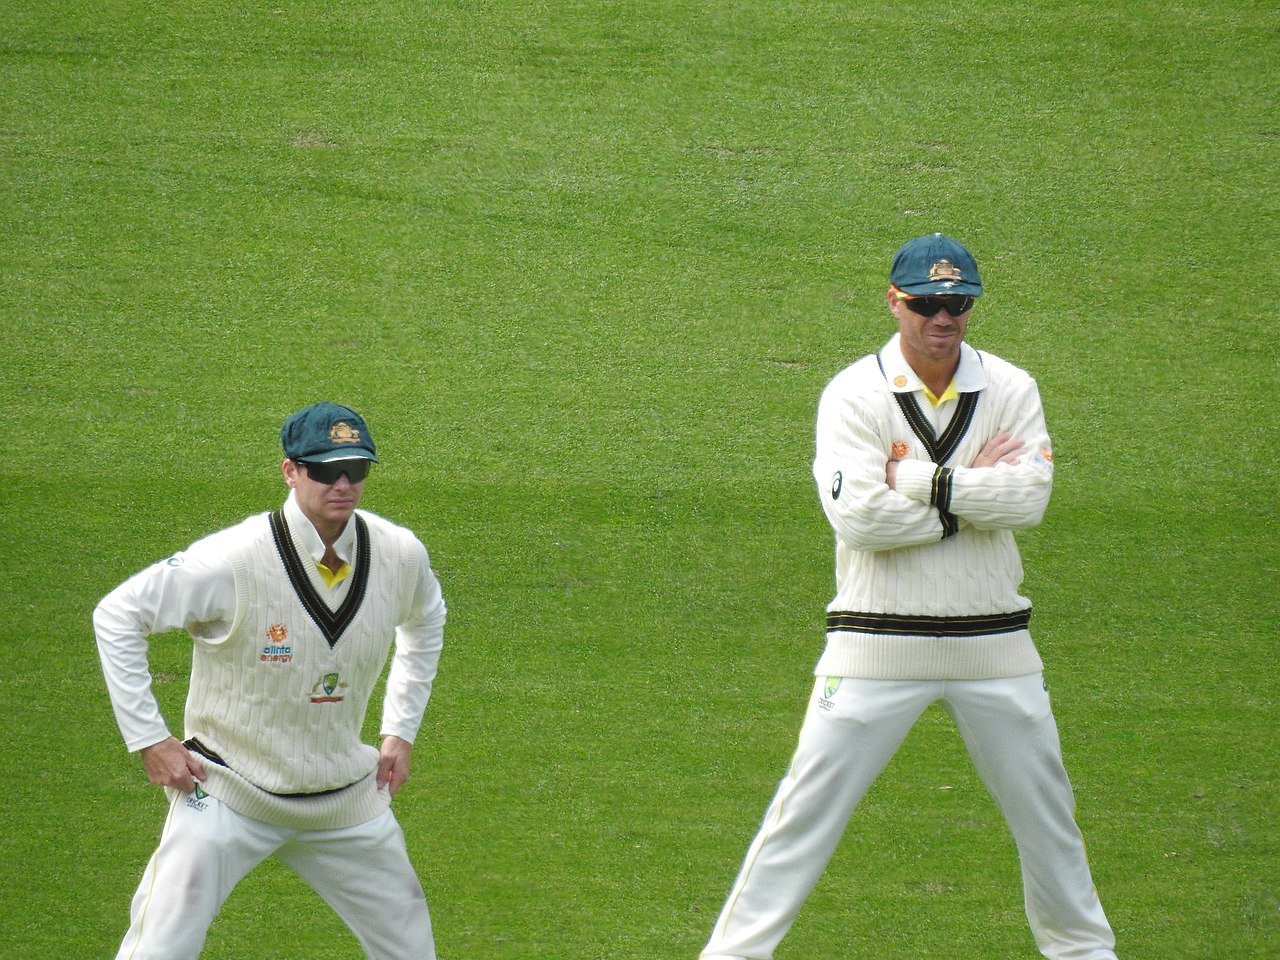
(326, 810)
(927, 626)
(195, 746)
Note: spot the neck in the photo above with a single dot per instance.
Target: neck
(329, 533)
(328, 530)
(331, 559)
(935, 374)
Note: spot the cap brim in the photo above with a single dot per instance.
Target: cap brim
(355, 453)
(936, 288)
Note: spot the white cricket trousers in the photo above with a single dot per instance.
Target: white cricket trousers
(848, 737)
(363, 872)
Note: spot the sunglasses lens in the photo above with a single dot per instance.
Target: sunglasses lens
(327, 473)
(954, 303)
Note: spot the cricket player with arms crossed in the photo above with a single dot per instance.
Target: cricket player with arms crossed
(929, 455)
(292, 615)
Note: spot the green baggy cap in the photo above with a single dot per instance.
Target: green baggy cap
(327, 431)
(935, 264)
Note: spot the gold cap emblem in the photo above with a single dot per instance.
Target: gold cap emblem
(945, 270)
(343, 432)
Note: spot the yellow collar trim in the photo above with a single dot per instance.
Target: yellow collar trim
(332, 579)
(948, 394)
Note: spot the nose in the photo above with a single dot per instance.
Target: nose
(343, 482)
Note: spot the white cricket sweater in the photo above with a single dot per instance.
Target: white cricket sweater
(273, 706)
(928, 574)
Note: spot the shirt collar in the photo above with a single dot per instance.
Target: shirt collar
(969, 377)
(308, 541)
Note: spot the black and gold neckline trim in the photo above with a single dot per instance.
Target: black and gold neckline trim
(940, 448)
(332, 623)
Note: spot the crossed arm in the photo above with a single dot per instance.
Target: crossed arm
(875, 501)
(1002, 448)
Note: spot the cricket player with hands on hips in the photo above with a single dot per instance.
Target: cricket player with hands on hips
(930, 454)
(292, 615)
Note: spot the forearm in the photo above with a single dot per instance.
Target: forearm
(122, 649)
(871, 516)
(850, 472)
(419, 641)
(408, 690)
(1004, 485)
(1003, 496)
(185, 591)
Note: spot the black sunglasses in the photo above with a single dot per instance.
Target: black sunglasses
(327, 473)
(954, 303)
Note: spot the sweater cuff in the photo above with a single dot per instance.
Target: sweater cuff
(916, 480)
(148, 739)
(931, 484)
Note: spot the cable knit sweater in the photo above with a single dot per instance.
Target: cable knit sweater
(927, 573)
(282, 666)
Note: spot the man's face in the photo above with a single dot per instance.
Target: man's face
(933, 339)
(327, 505)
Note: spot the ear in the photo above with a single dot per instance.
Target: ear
(290, 470)
(895, 303)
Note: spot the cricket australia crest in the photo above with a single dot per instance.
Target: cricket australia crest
(945, 270)
(343, 432)
(328, 689)
(829, 688)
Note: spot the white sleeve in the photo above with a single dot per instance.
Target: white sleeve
(193, 591)
(419, 640)
(1002, 497)
(849, 468)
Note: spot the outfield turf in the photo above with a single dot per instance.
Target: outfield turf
(585, 267)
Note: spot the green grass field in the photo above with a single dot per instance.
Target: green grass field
(586, 267)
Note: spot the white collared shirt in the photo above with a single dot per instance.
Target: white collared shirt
(308, 542)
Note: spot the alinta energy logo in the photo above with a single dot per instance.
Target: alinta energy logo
(278, 649)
